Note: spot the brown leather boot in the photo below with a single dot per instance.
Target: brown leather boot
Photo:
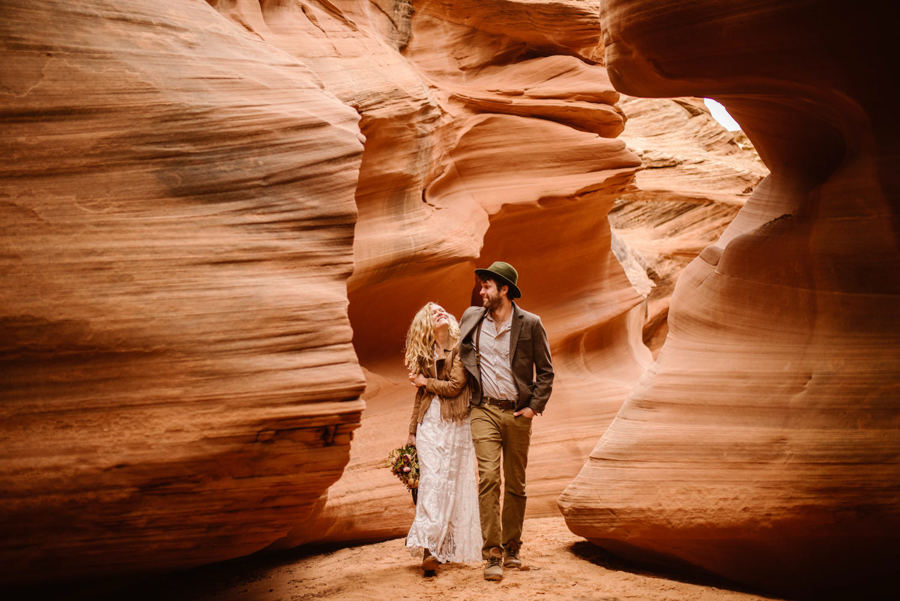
(511, 559)
(493, 570)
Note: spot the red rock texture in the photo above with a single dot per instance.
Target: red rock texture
(458, 180)
(176, 206)
(181, 189)
(200, 200)
(763, 444)
(695, 177)
(460, 183)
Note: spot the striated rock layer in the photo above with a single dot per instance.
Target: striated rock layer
(186, 189)
(452, 177)
(696, 176)
(182, 190)
(462, 183)
(176, 223)
(763, 444)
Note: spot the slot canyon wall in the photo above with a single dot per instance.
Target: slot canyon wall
(454, 180)
(700, 178)
(763, 444)
(177, 208)
(202, 202)
(695, 177)
(452, 97)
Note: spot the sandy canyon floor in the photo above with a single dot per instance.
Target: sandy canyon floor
(560, 567)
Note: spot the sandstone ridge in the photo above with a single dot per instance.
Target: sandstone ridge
(178, 380)
(763, 443)
(218, 219)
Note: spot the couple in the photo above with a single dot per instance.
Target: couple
(479, 384)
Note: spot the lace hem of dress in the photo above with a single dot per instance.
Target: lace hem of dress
(446, 522)
(446, 552)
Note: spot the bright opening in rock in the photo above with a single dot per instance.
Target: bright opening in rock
(721, 115)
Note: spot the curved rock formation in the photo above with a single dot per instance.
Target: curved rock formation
(462, 182)
(696, 176)
(185, 190)
(176, 207)
(763, 444)
(178, 198)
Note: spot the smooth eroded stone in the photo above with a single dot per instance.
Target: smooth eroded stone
(763, 444)
(176, 224)
(696, 176)
(505, 159)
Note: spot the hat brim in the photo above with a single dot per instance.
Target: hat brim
(512, 287)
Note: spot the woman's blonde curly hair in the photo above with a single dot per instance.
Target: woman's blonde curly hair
(420, 339)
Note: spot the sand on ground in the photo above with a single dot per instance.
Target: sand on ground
(560, 567)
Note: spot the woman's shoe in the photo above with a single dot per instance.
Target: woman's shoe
(429, 563)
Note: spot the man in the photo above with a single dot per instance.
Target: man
(505, 351)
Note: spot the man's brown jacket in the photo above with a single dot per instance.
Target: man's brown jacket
(529, 354)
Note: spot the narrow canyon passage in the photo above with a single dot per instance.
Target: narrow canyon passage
(219, 217)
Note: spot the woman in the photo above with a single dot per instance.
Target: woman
(446, 525)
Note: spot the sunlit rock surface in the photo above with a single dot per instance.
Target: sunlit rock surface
(193, 193)
(177, 379)
(504, 148)
(695, 177)
(763, 444)
(182, 191)
(512, 157)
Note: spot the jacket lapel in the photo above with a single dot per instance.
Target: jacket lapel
(469, 328)
(467, 337)
(440, 364)
(514, 329)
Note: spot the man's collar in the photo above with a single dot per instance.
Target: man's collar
(514, 309)
(491, 319)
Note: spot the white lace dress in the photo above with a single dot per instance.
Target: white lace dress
(446, 522)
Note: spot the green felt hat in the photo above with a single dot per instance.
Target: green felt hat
(506, 273)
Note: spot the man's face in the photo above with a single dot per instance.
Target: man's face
(490, 295)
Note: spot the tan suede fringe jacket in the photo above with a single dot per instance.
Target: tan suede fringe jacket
(447, 379)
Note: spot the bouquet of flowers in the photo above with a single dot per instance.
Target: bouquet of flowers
(404, 463)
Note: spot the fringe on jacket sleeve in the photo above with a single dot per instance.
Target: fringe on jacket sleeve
(454, 392)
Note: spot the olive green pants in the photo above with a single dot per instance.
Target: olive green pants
(497, 432)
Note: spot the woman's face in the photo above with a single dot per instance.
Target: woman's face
(439, 317)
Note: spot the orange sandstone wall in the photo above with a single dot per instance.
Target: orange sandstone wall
(177, 379)
(204, 202)
(513, 156)
(763, 444)
(186, 192)
(695, 177)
